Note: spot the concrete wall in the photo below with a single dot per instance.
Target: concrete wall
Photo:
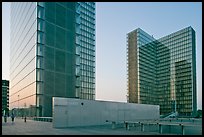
(70, 112)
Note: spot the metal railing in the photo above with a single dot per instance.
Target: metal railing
(154, 126)
(43, 119)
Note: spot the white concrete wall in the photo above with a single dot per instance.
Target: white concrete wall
(69, 112)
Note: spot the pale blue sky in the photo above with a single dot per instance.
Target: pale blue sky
(113, 21)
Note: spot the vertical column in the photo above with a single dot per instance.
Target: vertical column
(182, 129)
(142, 127)
(160, 128)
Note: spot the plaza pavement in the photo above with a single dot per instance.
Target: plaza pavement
(19, 127)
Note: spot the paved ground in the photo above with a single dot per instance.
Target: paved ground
(19, 127)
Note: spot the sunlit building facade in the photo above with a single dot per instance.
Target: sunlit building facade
(163, 71)
(52, 54)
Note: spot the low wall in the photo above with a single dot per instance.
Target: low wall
(70, 112)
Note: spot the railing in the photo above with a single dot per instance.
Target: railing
(43, 119)
(155, 126)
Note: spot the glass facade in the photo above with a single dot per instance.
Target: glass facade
(87, 50)
(60, 63)
(5, 95)
(23, 55)
(163, 71)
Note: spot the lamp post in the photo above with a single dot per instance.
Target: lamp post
(24, 112)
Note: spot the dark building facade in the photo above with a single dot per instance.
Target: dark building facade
(5, 95)
(163, 71)
(52, 53)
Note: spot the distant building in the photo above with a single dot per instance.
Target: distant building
(52, 54)
(5, 95)
(163, 71)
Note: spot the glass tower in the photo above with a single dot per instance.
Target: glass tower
(163, 71)
(52, 54)
(5, 96)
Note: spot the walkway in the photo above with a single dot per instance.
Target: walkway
(19, 127)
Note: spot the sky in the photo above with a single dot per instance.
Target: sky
(113, 21)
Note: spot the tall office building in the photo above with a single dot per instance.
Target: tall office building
(52, 53)
(163, 71)
(5, 95)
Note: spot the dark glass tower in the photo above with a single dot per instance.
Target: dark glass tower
(52, 53)
(163, 71)
(5, 96)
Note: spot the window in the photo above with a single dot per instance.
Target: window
(77, 70)
(77, 40)
(40, 12)
(77, 50)
(39, 87)
(39, 62)
(77, 81)
(77, 60)
(40, 37)
(40, 25)
(42, 4)
(39, 74)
